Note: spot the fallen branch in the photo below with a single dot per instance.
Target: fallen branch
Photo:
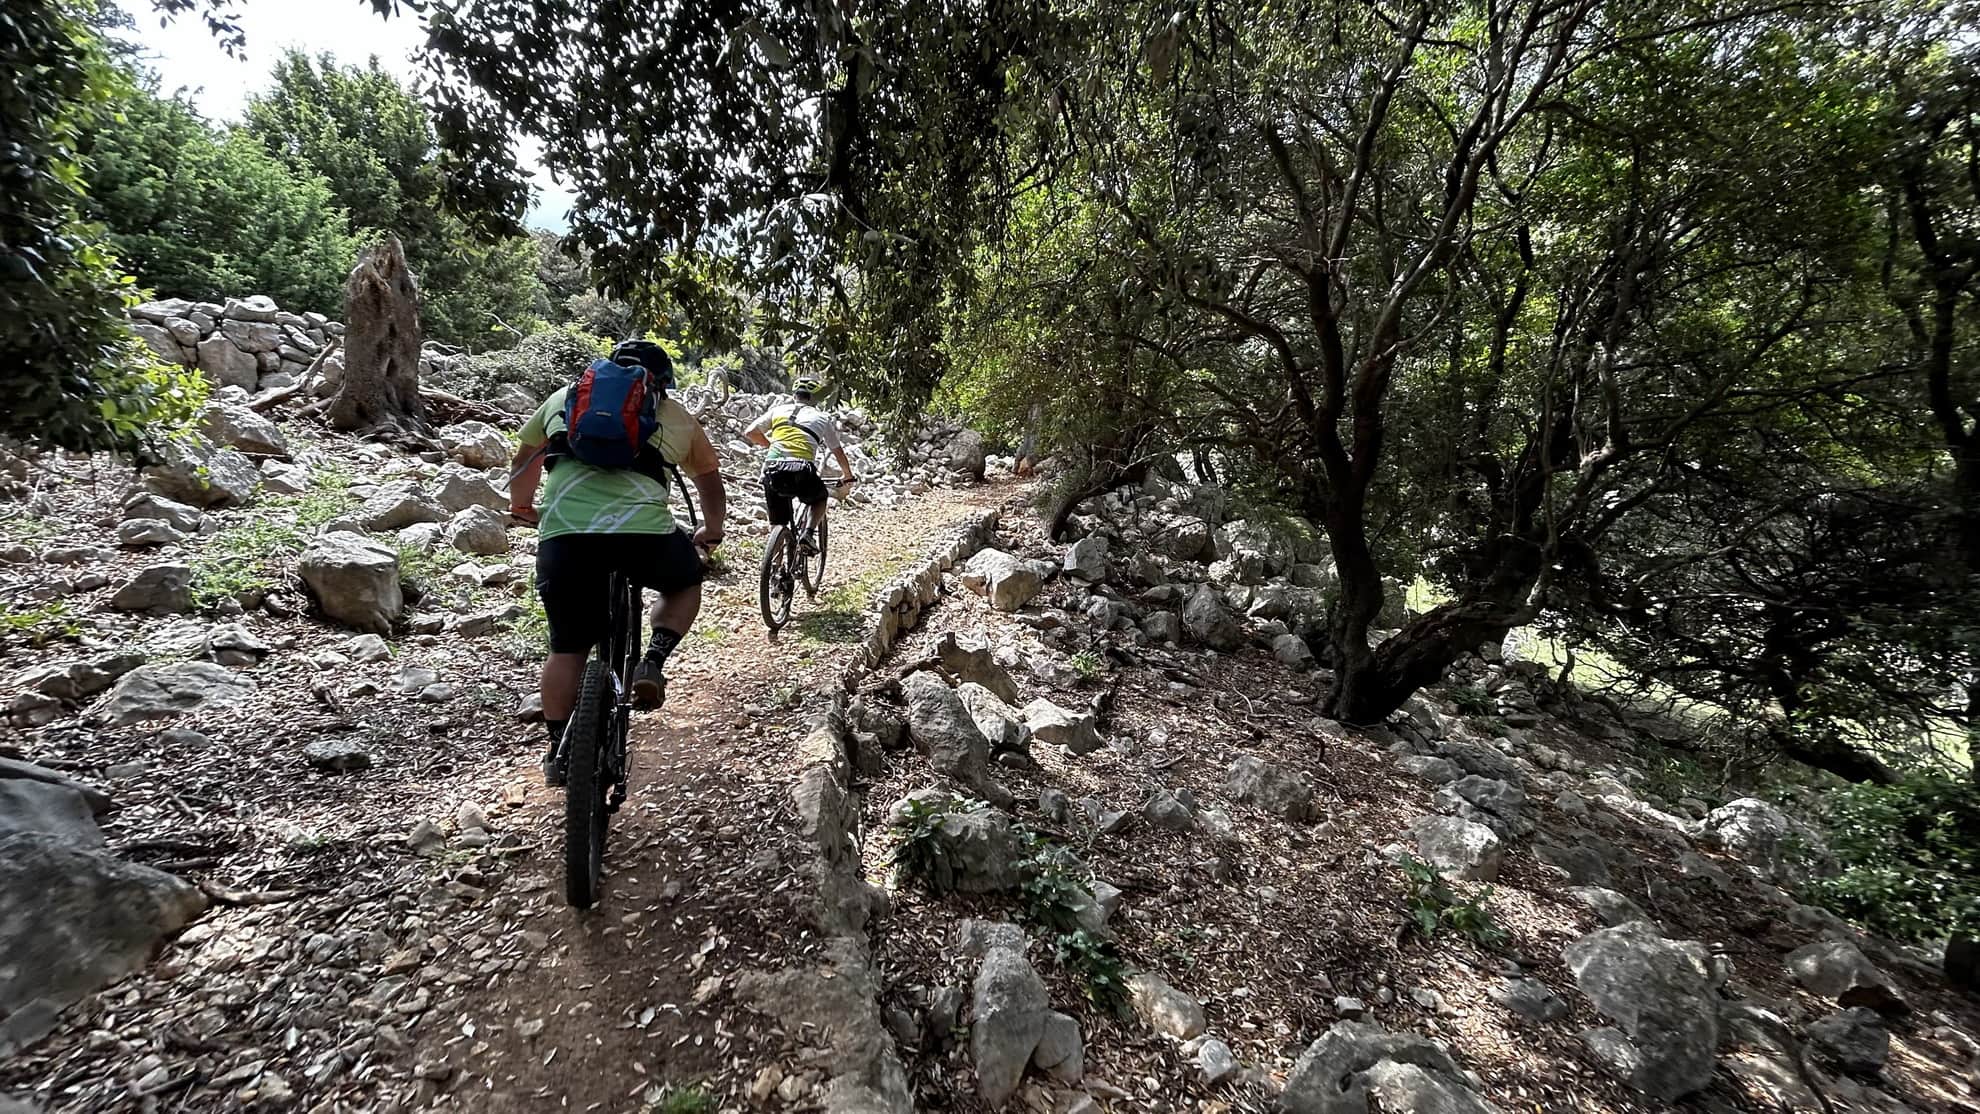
(309, 376)
(221, 895)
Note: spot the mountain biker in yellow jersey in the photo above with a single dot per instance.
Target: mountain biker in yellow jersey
(794, 432)
(596, 520)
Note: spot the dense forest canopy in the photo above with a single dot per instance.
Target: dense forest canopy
(1651, 323)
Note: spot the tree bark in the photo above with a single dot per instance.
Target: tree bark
(380, 389)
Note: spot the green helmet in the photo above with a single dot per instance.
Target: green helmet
(806, 385)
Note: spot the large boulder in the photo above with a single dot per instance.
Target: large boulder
(195, 471)
(1354, 1061)
(1086, 559)
(73, 921)
(45, 808)
(1499, 805)
(1768, 840)
(1209, 621)
(975, 665)
(397, 506)
(1009, 1004)
(967, 454)
(226, 363)
(355, 580)
(1854, 1040)
(1838, 969)
(1078, 732)
(1182, 536)
(1660, 994)
(1459, 847)
(238, 427)
(160, 588)
(173, 688)
(1253, 781)
(940, 724)
(1006, 581)
(965, 846)
(457, 488)
(476, 444)
(479, 531)
(999, 722)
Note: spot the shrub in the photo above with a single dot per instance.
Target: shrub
(1434, 906)
(921, 855)
(540, 363)
(1471, 700)
(1097, 965)
(1910, 857)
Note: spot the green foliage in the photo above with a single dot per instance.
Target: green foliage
(1097, 965)
(541, 363)
(684, 1100)
(528, 637)
(1088, 665)
(71, 374)
(41, 624)
(257, 552)
(373, 144)
(1910, 857)
(1054, 887)
(1471, 700)
(205, 214)
(921, 855)
(1434, 906)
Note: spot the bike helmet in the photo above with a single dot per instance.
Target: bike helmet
(646, 354)
(806, 386)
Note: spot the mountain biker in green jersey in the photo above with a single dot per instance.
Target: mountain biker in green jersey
(794, 432)
(595, 521)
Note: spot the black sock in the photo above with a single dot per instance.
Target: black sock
(556, 728)
(663, 644)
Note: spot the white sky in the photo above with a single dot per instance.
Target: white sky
(185, 55)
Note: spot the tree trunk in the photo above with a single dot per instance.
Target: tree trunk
(380, 389)
(1833, 755)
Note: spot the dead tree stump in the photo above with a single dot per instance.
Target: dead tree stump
(380, 388)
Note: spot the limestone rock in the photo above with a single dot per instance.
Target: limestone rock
(1162, 627)
(1086, 559)
(139, 533)
(1529, 999)
(1049, 723)
(1610, 907)
(1208, 621)
(1767, 839)
(1853, 1039)
(1839, 970)
(1061, 1051)
(163, 588)
(1009, 1004)
(1280, 791)
(73, 921)
(1660, 994)
(999, 722)
(1007, 582)
(147, 506)
(355, 580)
(967, 454)
(47, 808)
(397, 506)
(173, 688)
(1458, 847)
(940, 724)
(238, 427)
(476, 444)
(226, 363)
(479, 531)
(1292, 651)
(976, 665)
(195, 471)
(1354, 1060)
(973, 848)
(1499, 805)
(1165, 1009)
(457, 488)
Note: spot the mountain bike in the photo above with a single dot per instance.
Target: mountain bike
(793, 555)
(680, 484)
(595, 745)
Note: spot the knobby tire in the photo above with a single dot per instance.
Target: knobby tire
(585, 786)
(776, 555)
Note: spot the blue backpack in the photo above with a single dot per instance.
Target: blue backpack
(610, 413)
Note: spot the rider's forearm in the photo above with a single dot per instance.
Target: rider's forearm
(757, 437)
(526, 472)
(714, 501)
(845, 466)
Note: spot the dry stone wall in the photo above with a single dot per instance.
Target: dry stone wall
(248, 343)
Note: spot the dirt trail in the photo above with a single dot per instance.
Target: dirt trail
(628, 999)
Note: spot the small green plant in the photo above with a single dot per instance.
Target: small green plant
(1472, 700)
(41, 625)
(1054, 886)
(1098, 966)
(684, 1100)
(922, 854)
(529, 633)
(1492, 725)
(1087, 664)
(1909, 855)
(253, 554)
(1434, 906)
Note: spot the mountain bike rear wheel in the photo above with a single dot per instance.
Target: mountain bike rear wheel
(587, 780)
(811, 567)
(775, 589)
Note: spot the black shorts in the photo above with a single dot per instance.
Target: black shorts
(781, 485)
(573, 570)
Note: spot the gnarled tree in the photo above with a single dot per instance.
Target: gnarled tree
(379, 393)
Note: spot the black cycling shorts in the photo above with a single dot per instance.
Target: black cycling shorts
(573, 572)
(781, 485)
